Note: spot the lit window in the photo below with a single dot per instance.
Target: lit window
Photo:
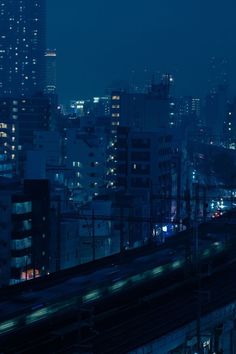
(22, 208)
(115, 98)
(3, 125)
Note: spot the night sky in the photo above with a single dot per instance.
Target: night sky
(101, 41)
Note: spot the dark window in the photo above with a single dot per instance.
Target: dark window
(140, 143)
(140, 155)
(140, 182)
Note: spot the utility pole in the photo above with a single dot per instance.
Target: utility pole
(93, 236)
(197, 266)
(151, 226)
(122, 240)
(178, 171)
(204, 204)
(58, 234)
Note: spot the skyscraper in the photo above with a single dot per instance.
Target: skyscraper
(22, 47)
(51, 74)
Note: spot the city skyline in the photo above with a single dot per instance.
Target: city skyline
(117, 176)
(156, 37)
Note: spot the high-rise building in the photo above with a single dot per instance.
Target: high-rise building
(51, 71)
(218, 72)
(31, 114)
(186, 111)
(22, 47)
(144, 165)
(8, 147)
(19, 120)
(230, 126)
(141, 111)
(215, 112)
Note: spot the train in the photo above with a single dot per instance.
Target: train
(35, 306)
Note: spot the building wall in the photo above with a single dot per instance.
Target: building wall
(88, 234)
(141, 111)
(77, 242)
(24, 116)
(144, 167)
(8, 148)
(50, 143)
(5, 239)
(24, 231)
(22, 267)
(86, 155)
